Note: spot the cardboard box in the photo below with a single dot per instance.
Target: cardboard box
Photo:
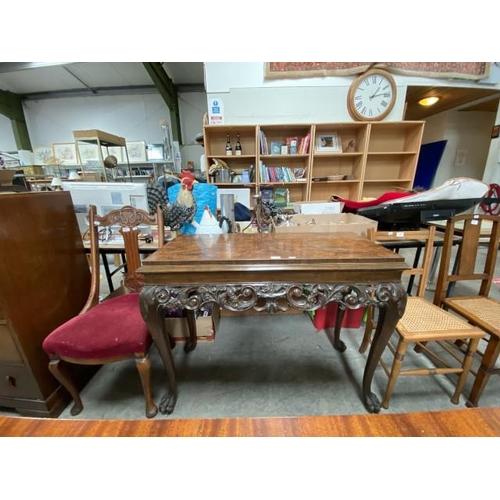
(33, 170)
(318, 207)
(330, 223)
(206, 327)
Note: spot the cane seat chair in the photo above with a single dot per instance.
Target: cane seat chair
(464, 285)
(113, 329)
(430, 329)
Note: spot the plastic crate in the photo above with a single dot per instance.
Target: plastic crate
(325, 317)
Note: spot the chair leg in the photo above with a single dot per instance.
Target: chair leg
(488, 361)
(143, 365)
(368, 331)
(399, 357)
(466, 366)
(61, 374)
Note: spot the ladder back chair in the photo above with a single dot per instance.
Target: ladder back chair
(111, 330)
(430, 329)
(464, 285)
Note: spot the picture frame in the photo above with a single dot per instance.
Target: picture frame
(117, 151)
(495, 132)
(155, 152)
(136, 151)
(65, 153)
(328, 142)
(88, 152)
(42, 155)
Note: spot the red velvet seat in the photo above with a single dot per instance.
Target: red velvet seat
(111, 330)
(93, 335)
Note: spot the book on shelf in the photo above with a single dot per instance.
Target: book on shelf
(293, 144)
(276, 148)
(263, 143)
(276, 174)
(304, 144)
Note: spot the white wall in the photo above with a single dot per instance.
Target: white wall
(249, 99)
(492, 168)
(192, 107)
(7, 141)
(468, 131)
(135, 117)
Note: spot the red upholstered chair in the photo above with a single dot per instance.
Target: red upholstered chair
(111, 330)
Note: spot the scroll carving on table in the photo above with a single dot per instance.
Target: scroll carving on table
(277, 297)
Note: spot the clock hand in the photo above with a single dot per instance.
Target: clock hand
(375, 95)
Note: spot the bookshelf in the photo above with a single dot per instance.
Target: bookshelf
(365, 159)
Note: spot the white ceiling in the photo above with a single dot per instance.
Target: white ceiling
(31, 79)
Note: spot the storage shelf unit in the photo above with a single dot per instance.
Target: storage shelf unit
(374, 157)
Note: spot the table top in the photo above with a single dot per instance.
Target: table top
(258, 255)
(459, 423)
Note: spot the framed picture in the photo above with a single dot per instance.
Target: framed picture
(42, 155)
(118, 151)
(155, 152)
(328, 142)
(88, 152)
(495, 131)
(137, 152)
(65, 153)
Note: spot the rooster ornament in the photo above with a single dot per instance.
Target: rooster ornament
(183, 209)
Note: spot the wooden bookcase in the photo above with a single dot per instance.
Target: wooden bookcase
(373, 157)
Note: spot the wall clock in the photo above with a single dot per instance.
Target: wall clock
(371, 95)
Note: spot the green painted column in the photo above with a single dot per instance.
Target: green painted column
(167, 90)
(12, 107)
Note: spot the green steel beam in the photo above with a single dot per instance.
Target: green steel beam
(11, 106)
(167, 90)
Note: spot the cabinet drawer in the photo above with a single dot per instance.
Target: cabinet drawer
(18, 382)
(8, 348)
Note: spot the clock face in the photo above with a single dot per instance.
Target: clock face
(372, 96)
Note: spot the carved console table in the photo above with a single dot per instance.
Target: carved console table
(273, 272)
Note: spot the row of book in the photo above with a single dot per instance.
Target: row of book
(277, 174)
(292, 145)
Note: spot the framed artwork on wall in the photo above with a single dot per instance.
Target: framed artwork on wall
(42, 155)
(88, 152)
(65, 153)
(137, 151)
(117, 151)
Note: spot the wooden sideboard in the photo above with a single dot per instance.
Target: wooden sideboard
(45, 281)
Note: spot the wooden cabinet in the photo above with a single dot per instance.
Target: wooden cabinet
(372, 157)
(45, 281)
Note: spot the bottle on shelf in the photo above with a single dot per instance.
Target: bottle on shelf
(237, 149)
(229, 148)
